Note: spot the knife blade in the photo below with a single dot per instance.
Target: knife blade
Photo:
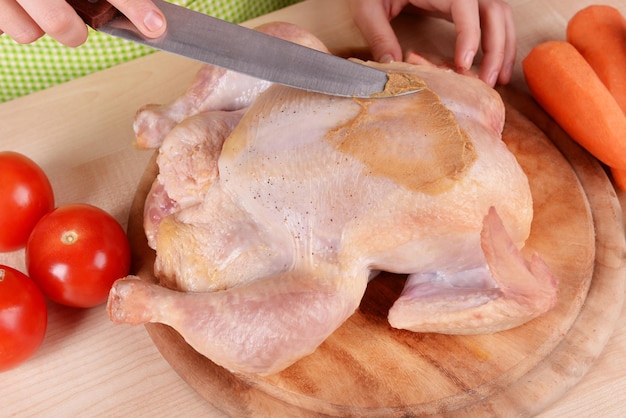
(234, 47)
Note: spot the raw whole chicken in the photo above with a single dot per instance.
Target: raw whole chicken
(274, 207)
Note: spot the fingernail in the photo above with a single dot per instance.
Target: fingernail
(153, 21)
(492, 78)
(386, 59)
(468, 60)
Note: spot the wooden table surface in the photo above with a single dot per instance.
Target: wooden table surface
(81, 134)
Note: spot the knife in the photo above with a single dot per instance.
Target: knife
(234, 47)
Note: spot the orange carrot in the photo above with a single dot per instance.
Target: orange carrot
(598, 32)
(566, 86)
(619, 178)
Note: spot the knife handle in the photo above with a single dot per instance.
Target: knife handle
(95, 13)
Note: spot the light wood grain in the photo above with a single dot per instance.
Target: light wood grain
(81, 134)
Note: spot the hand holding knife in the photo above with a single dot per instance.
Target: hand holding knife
(214, 41)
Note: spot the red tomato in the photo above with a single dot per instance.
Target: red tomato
(25, 196)
(23, 318)
(75, 253)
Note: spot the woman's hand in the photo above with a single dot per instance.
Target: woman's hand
(27, 20)
(486, 23)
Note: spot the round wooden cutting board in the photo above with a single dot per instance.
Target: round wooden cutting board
(366, 368)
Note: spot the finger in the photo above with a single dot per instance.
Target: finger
(510, 48)
(373, 21)
(17, 24)
(144, 15)
(58, 19)
(466, 18)
(494, 42)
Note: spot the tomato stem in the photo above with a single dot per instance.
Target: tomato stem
(69, 237)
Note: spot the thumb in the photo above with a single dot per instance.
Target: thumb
(378, 33)
(384, 44)
(144, 15)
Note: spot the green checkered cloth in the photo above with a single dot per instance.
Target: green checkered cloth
(28, 68)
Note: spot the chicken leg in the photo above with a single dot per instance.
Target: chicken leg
(261, 327)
